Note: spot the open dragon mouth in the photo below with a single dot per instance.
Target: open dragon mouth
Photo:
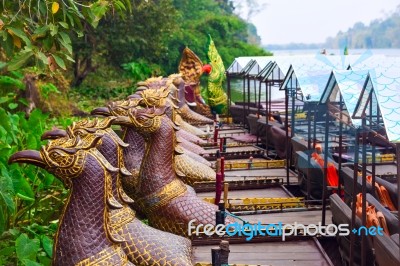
(190, 96)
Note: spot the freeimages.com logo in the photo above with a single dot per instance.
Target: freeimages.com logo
(279, 230)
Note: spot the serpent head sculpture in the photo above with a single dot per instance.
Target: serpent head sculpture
(176, 80)
(191, 69)
(165, 199)
(83, 236)
(189, 166)
(162, 98)
(143, 244)
(217, 98)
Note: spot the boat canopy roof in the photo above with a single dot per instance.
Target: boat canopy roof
(382, 88)
(310, 77)
(248, 64)
(280, 66)
(366, 82)
(238, 64)
(349, 85)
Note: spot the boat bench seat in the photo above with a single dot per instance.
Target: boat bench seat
(310, 169)
(391, 220)
(341, 214)
(347, 174)
(298, 144)
(386, 247)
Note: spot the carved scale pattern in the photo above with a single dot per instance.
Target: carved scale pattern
(143, 245)
(82, 237)
(191, 146)
(173, 215)
(190, 137)
(191, 171)
(188, 127)
(195, 156)
(194, 118)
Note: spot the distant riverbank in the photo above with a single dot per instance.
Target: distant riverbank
(387, 52)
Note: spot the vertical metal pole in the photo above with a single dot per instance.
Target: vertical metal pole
(258, 110)
(364, 192)
(289, 148)
(324, 190)
(315, 130)
(244, 100)
(270, 98)
(248, 95)
(293, 94)
(259, 97)
(229, 92)
(354, 198)
(255, 90)
(340, 143)
(309, 157)
(398, 182)
(373, 151)
(267, 111)
(287, 133)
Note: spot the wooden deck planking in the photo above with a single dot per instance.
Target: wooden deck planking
(301, 217)
(232, 131)
(274, 192)
(272, 172)
(259, 172)
(304, 252)
(268, 253)
(230, 161)
(234, 149)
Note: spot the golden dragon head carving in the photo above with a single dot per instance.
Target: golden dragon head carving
(64, 157)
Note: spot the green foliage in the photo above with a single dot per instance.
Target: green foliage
(26, 248)
(9, 81)
(28, 245)
(137, 70)
(38, 31)
(198, 18)
(119, 51)
(159, 30)
(150, 23)
(47, 89)
(104, 85)
(30, 197)
(12, 84)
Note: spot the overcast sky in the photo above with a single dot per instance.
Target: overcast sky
(312, 21)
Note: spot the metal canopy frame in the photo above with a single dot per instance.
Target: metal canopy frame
(369, 108)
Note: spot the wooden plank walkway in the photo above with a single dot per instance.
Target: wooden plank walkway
(275, 192)
(235, 149)
(273, 172)
(301, 217)
(223, 132)
(301, 253)
(259, 172)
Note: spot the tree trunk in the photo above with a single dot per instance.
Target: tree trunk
(82, 68)
(31, 93)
